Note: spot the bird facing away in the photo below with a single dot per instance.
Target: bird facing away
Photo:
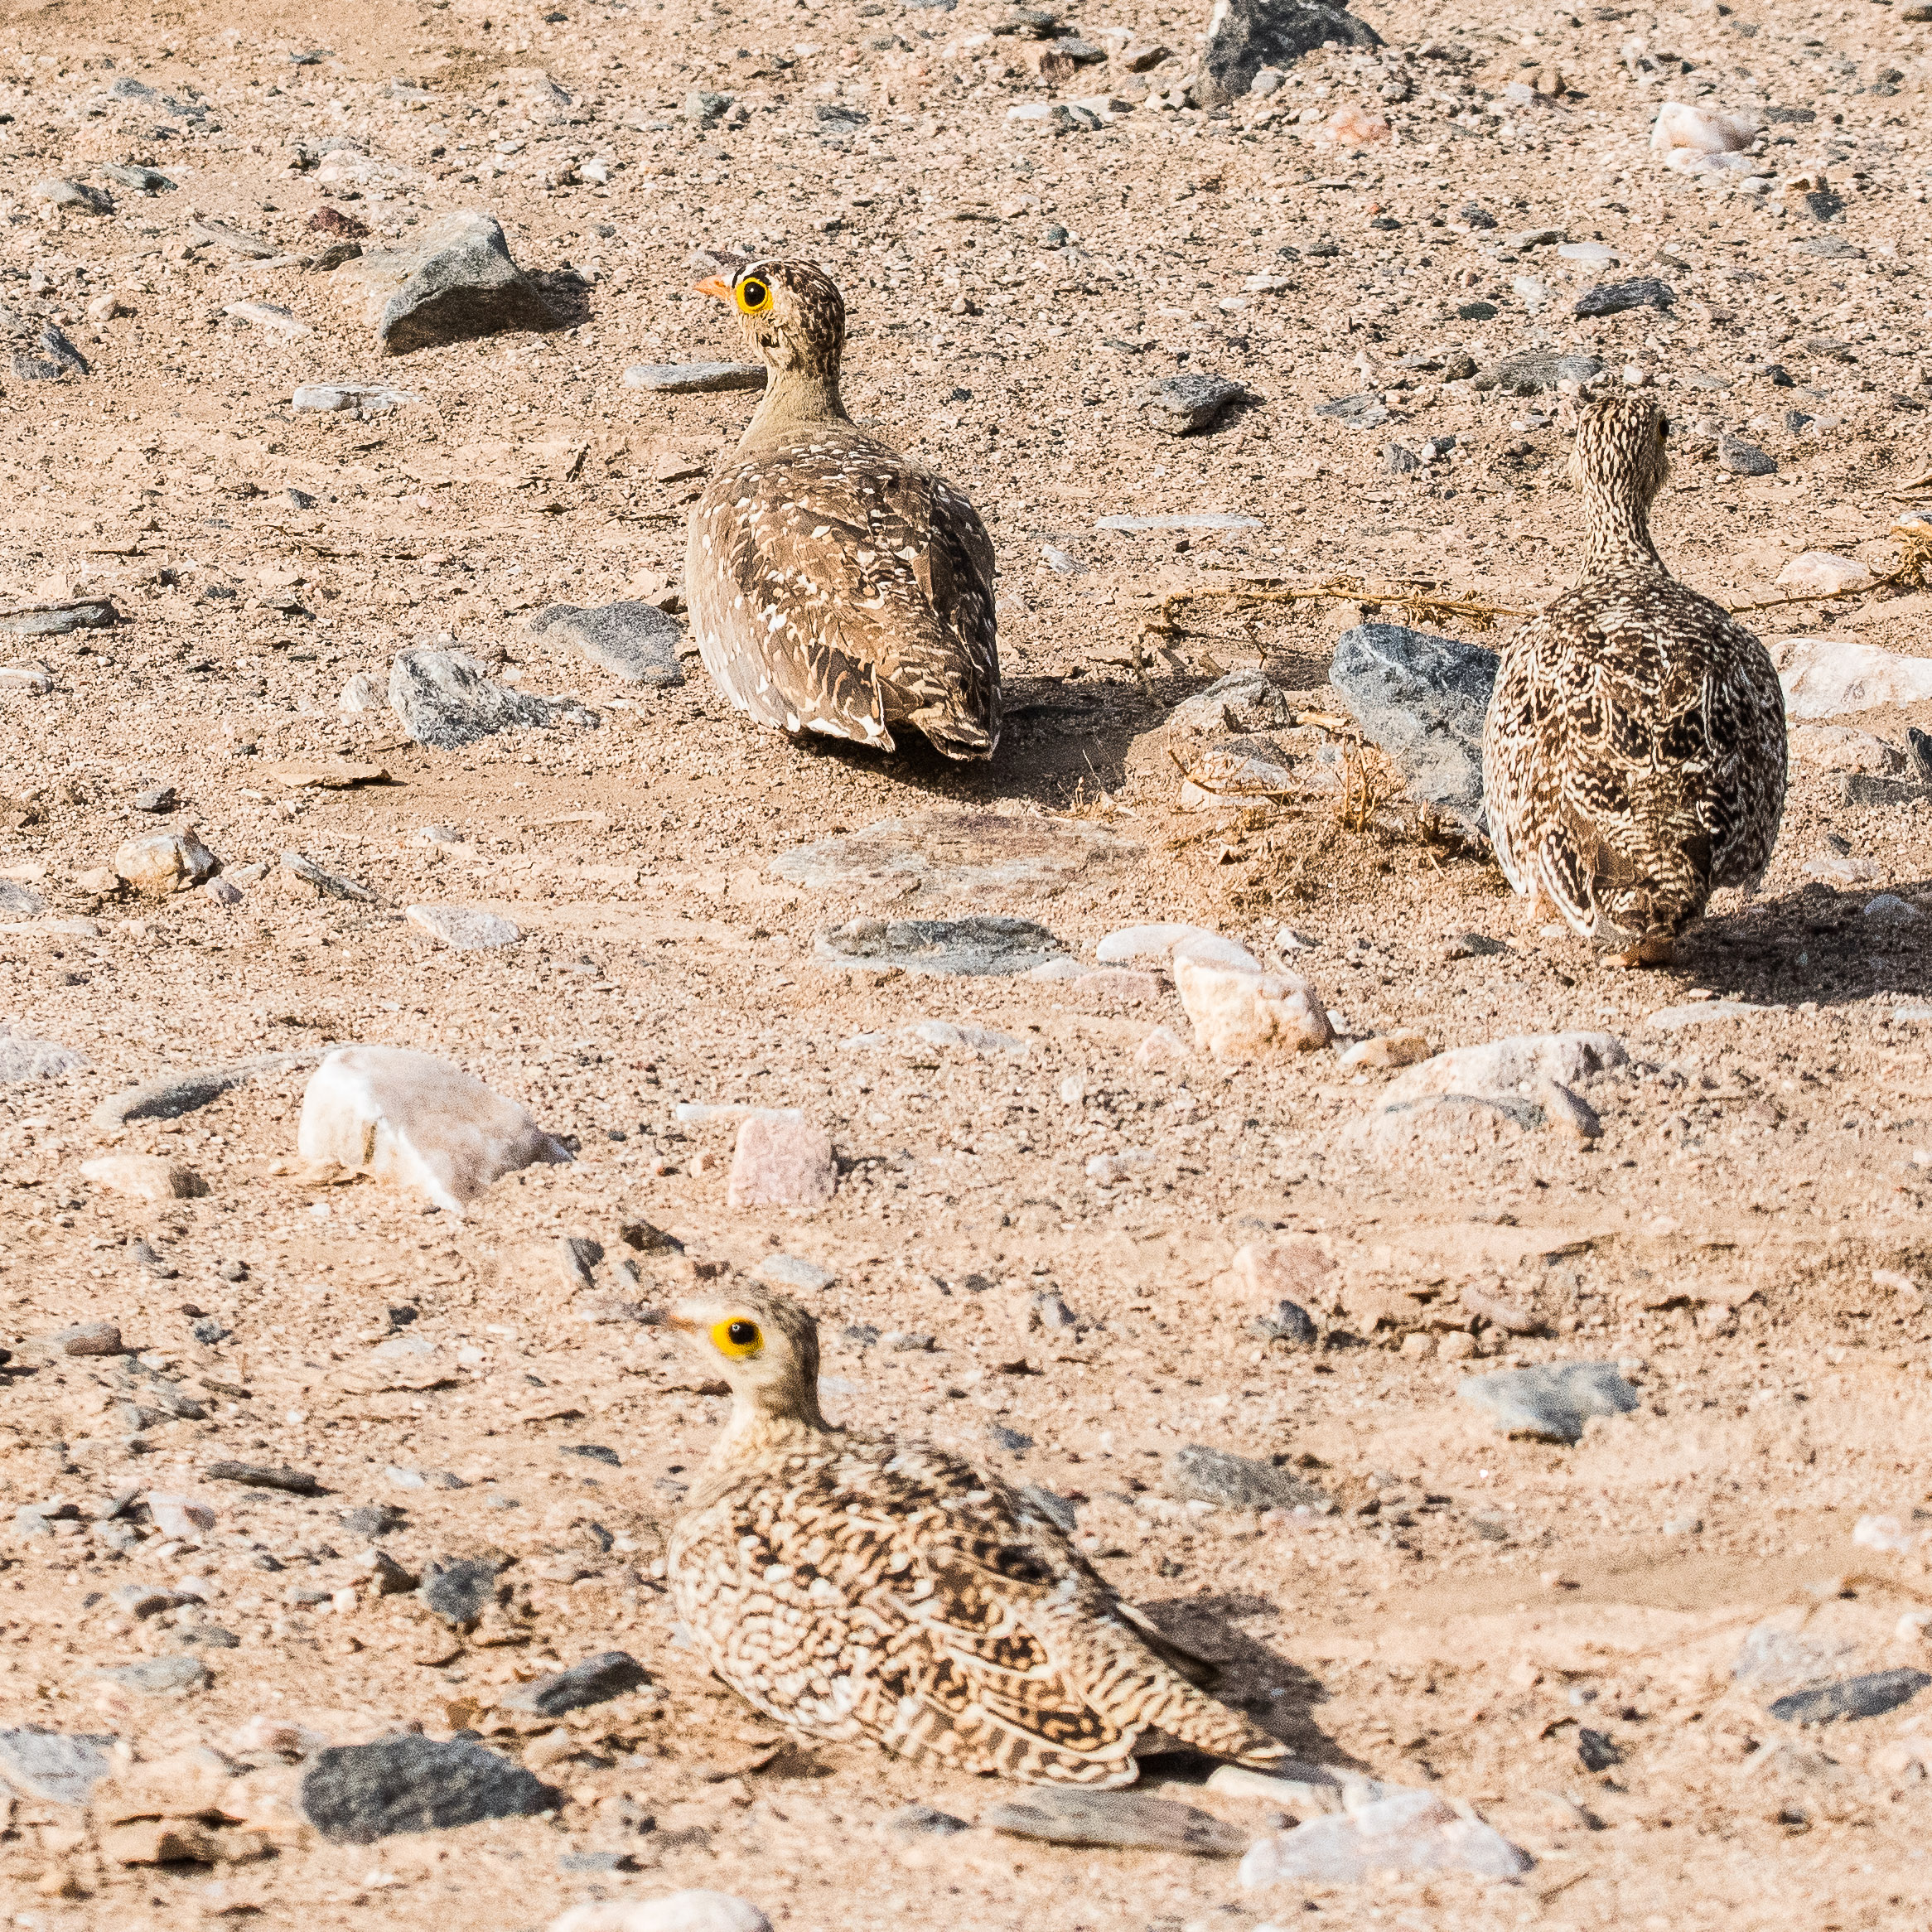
(1634, 752)
(835, 585)
(857, 1587)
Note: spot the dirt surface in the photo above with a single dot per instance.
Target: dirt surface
(1747, 1237)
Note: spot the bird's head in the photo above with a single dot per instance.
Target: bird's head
(792, 314)
(764, 1345)
(1622, 448)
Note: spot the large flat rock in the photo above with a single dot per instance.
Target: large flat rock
(960, 851)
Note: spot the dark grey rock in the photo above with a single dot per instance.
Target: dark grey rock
(1398, 461)
(1597, 1752)
(57, 619)
(635, 641)
(355, 1794)
(1421, 699)
(1131, 1820)
(1473, 946)
(57, 356)
(208, 1330)
(1475, 216)
(206, 1637)
(1245, 36)
(1358, 412)
(1011, 1440)
(22, 1056)
(705, 107)
(1796, 421)
(1742, 458)
(1289, 1322)
(1476, 311)
(374, 1520)
(456, 281)
(1537, 370)
(52, 1766)
(1612, 298)
(694, 379)
(1191, 401)
(1919, 750)
(161, 1677)
(174, 1095)
(18, 902)
(991, 946)
(595, 1681)
(1848, 1698)
(919, 1821)
(325, 884)
(76, 195)
(1820, 203)
(1028, 23)
(444, 701)
(460, 1591)
(834, 118)
(1052, 1505)
(1217, 1476)
(259, 1475)
(1552, 1401)
(586, 1861)
(144, 181)
(593, 1453)
(163, 798)
(1833, 248)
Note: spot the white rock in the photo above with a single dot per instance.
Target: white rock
(182, 1518)
(1208, 948)
(331, 396)
(28, 674)
(1530, 290)
(1162, 1047)
(463, 928)
(971, 1039)
(269, 316)
(417, 1121)
(1109, 1168)
(1238, 1011)
(1413, 1830)
(1057, 969)
(167, 860)
(365, 692)
(1821, 748)
(676, 1911)
(1502, 1069)
(1826, 677)
(143, 1177)
(1596, 255)
(1820, 571)
(1704, 1013)
(1146, 942)
(1693, 140)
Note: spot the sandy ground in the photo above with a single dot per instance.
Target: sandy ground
(1748, 1236)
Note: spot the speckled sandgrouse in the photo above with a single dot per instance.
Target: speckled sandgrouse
(1634, 753)
(861, 1587)
(835, 585)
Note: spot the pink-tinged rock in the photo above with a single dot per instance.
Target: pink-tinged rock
(1239, 1011)
(782, 1163)
(417, 1121)
(1294, 1270)
(1162, 1047)
(1509, 1068)
(1123, 985)
(1820, 571)
(164, 861)
(143, 1177)
(1414, 1831)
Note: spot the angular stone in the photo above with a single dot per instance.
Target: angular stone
(1240, 702)
(1551, 1402)
(633, 640)
(164, 861)
(1421, 699)
(1841, 748)
(782, 1163)
(24, 1058)
(1294, 1269)
(1146, 942)
(232, 241)
(460, 1591)
(375, 398)
(595, 1681)
(325, 884)
(463, 929)
(1500, 1068)
(925, 1821)
(356, 1793)
(417, 1122)
(77, 196)
(956, 852)
(444, 701)
(158, 1841)
(1820, 571)
(143, 1177)
(143, 181)
(1613, 299)
(694, 379)
(1537, 370)
(1411, 1832)
(86, 1338)
(51, 1765)
(793, 1272)
(1827, 677)
(1217, 1476)
(1739, 457)
(990, 946)
(1850, 1698)
(161, 1677)
(1240, 1012)
(183, 1518)
(174, 1095)
(1194, 400)
(58, 620)
(1245, 36)
(1130, 1820)
(453, 281)
(259, 1476)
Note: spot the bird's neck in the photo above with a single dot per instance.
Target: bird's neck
(766, 1421)
(1617, 532)
(796, 402)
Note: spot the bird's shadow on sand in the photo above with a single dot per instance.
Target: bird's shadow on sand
(1251, 1674)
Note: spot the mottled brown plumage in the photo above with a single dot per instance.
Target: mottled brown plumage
(856, 1586)
(835, 585)
(1634, 753)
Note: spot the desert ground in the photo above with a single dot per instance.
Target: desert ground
(1042, 1245)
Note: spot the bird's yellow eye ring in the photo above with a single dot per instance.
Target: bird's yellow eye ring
(754, 295)
(737, 1338)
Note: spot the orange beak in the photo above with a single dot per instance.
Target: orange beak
(717, 287)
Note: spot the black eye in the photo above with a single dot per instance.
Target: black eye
(743, 1334)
